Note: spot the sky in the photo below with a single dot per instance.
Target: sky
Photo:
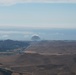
(36, 14)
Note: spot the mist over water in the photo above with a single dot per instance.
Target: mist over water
(45, 34)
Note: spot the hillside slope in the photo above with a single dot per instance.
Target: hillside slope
(11, 45)
(53, 47)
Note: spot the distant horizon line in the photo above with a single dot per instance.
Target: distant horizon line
(31, 40)
(13, 27)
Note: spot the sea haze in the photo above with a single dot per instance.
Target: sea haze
(45, 34)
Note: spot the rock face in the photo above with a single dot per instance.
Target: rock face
(5, 72)
(35, 38)
(9, 72)
(1, 73)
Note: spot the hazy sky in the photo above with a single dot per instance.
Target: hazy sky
(38, 13)
(21, 19)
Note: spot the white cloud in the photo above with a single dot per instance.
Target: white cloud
(5, 36)
(11, 2)
(28, 33)
(16, 32)
(35, 34)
